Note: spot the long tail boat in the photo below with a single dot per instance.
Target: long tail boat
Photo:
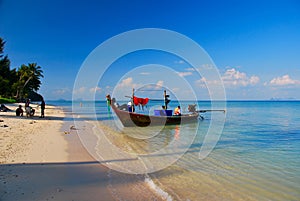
(161, 117)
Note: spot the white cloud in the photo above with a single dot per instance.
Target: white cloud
(145, 73)
(124, 88)
(203, 81)
(231, 78)
(183, 74)
(254, 80)
(107, 89)
(158, 86)
(206, 66)
(190, 69)
(160, 83)
(95, 89)
(202, 67)
(179, 62)
(127, 83)
(81, 90)
(63, 91)
(283, 81)
(176, 90)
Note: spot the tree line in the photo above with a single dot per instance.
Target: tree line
(19, 83)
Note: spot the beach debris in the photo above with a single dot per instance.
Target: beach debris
(1, 120)
(73, 128)
(4, 126)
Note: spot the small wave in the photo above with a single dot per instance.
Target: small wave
(157, 189)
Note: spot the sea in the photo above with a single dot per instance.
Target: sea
(249, 152)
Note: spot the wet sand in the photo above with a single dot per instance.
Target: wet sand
(43, 159)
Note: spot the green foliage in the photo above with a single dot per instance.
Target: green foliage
(4, 71)
(33, 96)
(7, 100)
(29, 80)
(20, 82)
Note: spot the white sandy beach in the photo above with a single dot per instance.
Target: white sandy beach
(33, 140)
(42, 159)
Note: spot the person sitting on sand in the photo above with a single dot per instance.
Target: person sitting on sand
(3, 108)
(29, 110)
(19, 111)
(32, 111)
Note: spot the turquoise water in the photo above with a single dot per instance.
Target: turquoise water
(257, 156)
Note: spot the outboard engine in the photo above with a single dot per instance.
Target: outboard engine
(192, 108)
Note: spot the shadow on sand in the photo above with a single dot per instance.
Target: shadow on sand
(61, 181)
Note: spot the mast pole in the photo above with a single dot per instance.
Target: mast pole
(165, 99)
(132, 102)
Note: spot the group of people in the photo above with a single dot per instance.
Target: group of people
(29, 110)
(131, 108)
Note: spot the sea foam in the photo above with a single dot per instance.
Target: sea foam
(157, 189)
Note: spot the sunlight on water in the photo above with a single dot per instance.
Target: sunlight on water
(256, 158)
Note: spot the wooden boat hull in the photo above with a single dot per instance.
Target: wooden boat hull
(130, 119)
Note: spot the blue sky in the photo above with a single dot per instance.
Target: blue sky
(254, 44)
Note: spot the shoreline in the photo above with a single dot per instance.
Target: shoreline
(44, 159)
(121, 186)
(143, 181)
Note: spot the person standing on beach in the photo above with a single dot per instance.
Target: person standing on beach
(108, 103)
(43, 104)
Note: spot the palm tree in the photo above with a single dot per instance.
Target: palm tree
(34, 74)
(29, 79)
(4, 71)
